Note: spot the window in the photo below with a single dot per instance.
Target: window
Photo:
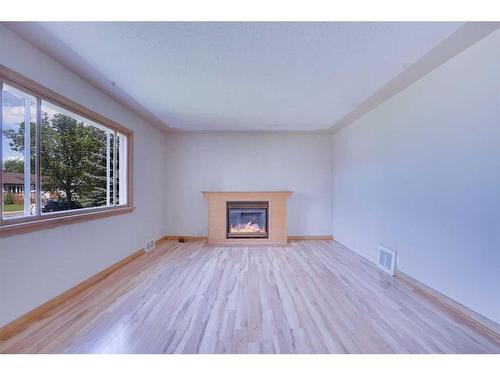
(78, 167)
(18, 146)
(57, 161)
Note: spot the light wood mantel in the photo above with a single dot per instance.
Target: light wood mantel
(277, 225)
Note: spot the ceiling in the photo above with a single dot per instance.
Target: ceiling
(213, 76)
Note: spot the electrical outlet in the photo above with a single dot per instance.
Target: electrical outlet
(150, 245)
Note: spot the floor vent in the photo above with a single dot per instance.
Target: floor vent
(150, 245)
(387, 260)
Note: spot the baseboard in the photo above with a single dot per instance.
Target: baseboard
(23, 321)
(307, 238)
(473, 317)
(186, 238)
(290, 238)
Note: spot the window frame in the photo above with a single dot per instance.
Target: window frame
(38, 222)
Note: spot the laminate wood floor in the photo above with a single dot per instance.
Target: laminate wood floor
(308, 297)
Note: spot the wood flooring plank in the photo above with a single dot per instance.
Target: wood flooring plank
(312, 296)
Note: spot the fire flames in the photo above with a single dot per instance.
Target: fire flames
(246, 228)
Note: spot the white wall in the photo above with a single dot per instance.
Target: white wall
(421, 174)
(250, 162)
(37, 266)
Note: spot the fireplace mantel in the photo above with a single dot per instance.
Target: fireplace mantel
(217, 216)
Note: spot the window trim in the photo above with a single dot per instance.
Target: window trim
(30, 223)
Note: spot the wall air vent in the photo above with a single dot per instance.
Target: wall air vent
(150, 245)
(387, 260)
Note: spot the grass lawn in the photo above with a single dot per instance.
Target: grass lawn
(13, 207)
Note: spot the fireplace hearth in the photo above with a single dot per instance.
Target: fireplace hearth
(247, 219)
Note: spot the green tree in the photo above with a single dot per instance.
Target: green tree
(14, 165)
(72, 157)
(8, 199)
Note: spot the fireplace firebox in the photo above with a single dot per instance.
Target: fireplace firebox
(247, 219)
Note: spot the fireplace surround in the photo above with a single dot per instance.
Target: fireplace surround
(253, 227)
(247, 219)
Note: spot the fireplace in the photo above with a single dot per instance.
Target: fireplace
(247, 219)
(270, 207)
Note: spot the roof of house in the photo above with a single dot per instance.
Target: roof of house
(14, 178)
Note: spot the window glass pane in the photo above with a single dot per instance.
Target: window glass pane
(18, 145)
(121, 166)
(73, 159)
(111, 171)
(117, 187)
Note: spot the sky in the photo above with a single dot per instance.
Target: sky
(12, 115)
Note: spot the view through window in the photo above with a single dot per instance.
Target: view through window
(18, 146)
(54, 160)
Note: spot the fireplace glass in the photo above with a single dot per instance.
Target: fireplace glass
(247, 219)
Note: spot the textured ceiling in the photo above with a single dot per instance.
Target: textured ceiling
(242, 76)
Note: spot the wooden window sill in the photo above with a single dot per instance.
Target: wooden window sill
(31, 224)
